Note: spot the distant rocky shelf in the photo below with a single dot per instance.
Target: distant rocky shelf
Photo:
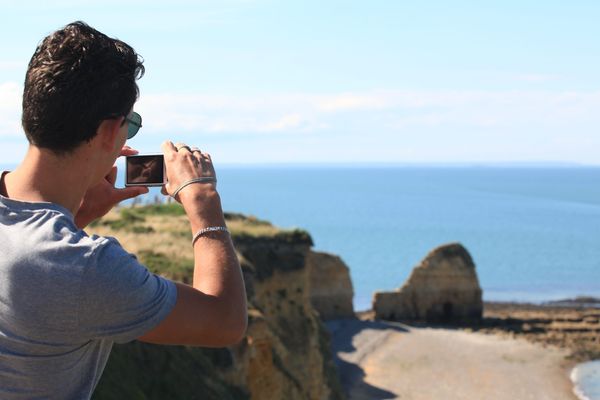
(575, 327)
(583, 301)
(292, 290)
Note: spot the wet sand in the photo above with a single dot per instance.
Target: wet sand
(388, 360)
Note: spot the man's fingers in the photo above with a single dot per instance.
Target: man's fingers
(112, 175)
(168, 148)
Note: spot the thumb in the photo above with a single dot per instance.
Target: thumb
(129, 192)
(128, 151)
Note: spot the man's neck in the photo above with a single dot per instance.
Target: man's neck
(44, 176)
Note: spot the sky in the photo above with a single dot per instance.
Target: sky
(260, 81)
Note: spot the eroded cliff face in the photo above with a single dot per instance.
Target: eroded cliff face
(330, 286)
(286, 352)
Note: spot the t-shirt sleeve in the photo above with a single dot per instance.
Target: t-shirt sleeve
(120, 299)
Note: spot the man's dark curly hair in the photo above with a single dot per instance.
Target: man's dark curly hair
(77, 78)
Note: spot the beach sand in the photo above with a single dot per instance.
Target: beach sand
(387, 360)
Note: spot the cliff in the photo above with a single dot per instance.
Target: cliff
(286, 352)
(331, 289)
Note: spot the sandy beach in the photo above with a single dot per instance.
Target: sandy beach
(388, 360)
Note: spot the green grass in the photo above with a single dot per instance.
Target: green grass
(129, 219)
(178, 269)
(241, 226)
(160, 209)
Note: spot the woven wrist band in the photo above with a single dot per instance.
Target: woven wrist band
(205, 179)
(209, 229)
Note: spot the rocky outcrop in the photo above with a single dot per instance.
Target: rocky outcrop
(286, 352)
(330, 286)
(443, 287)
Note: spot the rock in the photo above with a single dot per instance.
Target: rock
(444, 287)
(330, 287)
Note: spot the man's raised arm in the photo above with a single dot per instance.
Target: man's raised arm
(212, 312)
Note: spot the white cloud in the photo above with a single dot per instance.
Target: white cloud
(12, 152)
(106, 3)
(10, 109)
(287, 122)
(538, 78)
(350, 101)
(236, 114)
(389, 109)
(8, 65)
(464, 125)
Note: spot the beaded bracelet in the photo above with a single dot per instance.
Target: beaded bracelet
(203, 179)
(208, 229)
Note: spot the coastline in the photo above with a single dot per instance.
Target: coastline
(516, 350)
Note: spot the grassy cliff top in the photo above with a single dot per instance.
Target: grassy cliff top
(160, 236)
(143, 219)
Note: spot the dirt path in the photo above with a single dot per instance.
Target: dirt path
(390, 360)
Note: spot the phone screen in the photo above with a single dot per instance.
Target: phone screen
(145, 170)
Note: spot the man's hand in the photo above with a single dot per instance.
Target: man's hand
(184, 163)
(200, 200)
(101, 198)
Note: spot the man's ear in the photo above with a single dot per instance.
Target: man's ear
(109, 133)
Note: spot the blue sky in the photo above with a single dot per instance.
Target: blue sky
(332, 81)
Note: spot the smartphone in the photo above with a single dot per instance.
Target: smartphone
(145, 170)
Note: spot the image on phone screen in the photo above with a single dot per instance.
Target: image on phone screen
(145, 170)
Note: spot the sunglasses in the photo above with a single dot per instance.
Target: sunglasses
(135, 123)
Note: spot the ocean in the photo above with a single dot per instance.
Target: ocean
(534, 233)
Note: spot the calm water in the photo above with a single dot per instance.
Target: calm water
(586, 378)
(534, 233)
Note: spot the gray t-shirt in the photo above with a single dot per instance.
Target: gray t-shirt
(65, 297)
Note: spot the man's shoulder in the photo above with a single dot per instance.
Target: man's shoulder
(48, 230)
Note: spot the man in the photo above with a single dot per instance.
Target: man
(65, 297)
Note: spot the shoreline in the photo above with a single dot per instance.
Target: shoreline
(385, 360)
(586, 379)
(513, 341)
(571, 324)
